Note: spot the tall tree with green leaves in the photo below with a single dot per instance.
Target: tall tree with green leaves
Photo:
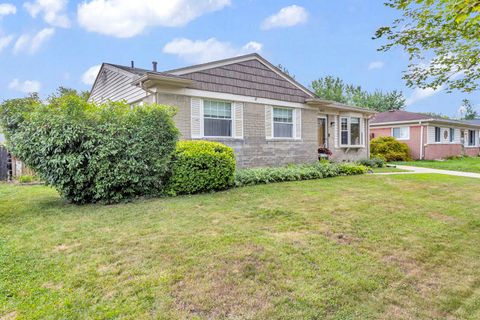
(335, 89)
(442, 39)
(469, 113)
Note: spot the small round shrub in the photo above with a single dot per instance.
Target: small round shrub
(201, 166)
(93, 152)
(389, 149)
(372, 162)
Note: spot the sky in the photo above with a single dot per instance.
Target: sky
(45, 44)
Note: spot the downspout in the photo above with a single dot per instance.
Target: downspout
(421, 140)
(149, 91)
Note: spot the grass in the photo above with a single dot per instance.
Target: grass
(467, 164)
(387, 169)
(365, 247)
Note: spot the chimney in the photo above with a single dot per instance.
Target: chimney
(132, 63)
(154, 64)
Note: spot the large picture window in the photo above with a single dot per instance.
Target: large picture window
(217, 118)
(282, 123)
(401, 133)
(471, 138)
(350, 131)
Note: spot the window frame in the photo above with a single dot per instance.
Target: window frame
(293, 122)
(439, 134)
(232, 119)
(451, 135)
(400, 128)
(474, 138)
(349, 132)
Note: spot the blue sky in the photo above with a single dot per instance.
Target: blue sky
(48, 43)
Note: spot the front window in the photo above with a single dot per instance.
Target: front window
(217, 118)
(471, 137)
(282, 123)
(401, 133)
(350, 131)
(452, 134)
(437, 134)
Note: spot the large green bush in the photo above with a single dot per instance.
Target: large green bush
(201, 166)
(389, 149)
(247, 177)
(92, 152)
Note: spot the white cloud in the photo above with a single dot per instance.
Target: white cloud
(30, 44)
(420, 94)
(53, 11)
(200, 51)
(6, 9)
(286, 17)
(90, 75)
(127, 18)
(27, 86)
(376, 65)
(5, 41)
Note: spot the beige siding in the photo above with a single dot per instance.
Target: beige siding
(443, 140)
(115, 85)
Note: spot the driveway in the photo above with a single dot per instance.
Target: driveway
(413, 170)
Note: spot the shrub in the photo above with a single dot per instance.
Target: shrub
(93, 152)
(201, 166)
(372, 162)
(389, 149)
(323, 169)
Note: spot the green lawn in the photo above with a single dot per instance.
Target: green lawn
(364, 247)
(469, 164)
(387, 169)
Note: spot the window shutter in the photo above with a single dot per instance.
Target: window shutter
(298, 123)
(238, 120)
(268, 122)
(196, 117)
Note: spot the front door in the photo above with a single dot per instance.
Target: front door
(322, 132)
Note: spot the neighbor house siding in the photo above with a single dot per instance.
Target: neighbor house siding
(115, 86)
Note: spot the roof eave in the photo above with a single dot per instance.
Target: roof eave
(153, 79)
(333, 104)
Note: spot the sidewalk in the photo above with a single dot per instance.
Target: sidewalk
(414, 170)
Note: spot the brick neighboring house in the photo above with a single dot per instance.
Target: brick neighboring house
(428, 138)
(247, 103)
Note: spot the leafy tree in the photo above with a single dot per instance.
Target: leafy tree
(435, 115)
(335, 89)
(64, 91)
(285, 70)
(441, 38)
(468, 110)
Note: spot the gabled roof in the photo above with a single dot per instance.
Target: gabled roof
(400, 116)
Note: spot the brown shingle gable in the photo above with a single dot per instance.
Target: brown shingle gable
(250, 78)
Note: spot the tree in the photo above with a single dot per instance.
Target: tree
(335, 89)
(441, 38)
(467, 109)
(64, 91)
(285, 70)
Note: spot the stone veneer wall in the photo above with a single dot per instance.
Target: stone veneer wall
(254, 150)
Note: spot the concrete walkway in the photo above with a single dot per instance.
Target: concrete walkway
(413, 170)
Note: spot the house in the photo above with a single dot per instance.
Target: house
(428, 137)
(245, 102)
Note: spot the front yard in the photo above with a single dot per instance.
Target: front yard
(468, 164)
(383, 247)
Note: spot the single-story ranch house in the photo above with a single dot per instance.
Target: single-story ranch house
(428, 137)
(247, 103)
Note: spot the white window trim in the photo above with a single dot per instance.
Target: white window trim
(232, 121)
(408, 133)
(294, 120)
(362, 132)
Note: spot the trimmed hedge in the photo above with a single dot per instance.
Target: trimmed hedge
(248, 177)
(93, 152)
(389, 149)
(201, 166)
